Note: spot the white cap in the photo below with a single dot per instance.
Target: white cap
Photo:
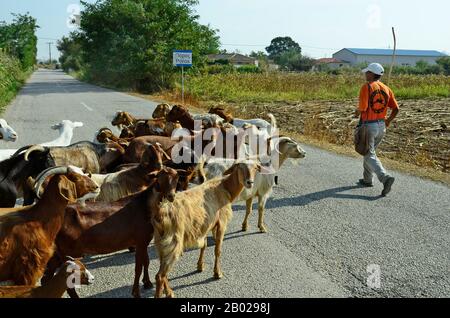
(375, 68)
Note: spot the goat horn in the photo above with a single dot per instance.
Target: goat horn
(40, 179)
(33, 149)
(18, 152)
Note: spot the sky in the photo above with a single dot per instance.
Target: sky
(321, 27)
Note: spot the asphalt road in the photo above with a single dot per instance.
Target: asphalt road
(324, 231)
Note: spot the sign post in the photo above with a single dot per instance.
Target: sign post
(182, 58)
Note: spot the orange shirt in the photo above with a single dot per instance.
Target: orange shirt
(375, 106)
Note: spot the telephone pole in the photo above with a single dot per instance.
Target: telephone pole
(50, 52)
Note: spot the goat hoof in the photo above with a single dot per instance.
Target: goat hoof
(244, 227)
(200, 268)
(148, 285)
(170, 294)
(136, 294)
(218, 275)
(262, 229)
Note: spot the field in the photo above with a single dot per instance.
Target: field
(295, 87)
(320, 108)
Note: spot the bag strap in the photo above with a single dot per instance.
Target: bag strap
(368, 102)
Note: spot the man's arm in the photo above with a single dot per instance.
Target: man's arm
(394, 114)
(393, 104)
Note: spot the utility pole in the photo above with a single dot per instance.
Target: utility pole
(50, 52)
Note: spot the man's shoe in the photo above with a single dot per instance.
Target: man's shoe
(363, 183)
(388, 186)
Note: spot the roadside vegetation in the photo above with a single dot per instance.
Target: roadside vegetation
(17, 55)
(129, 44)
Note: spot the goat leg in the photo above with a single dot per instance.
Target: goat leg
(72, 293)
(261, 206)
(201, 259)
(138, 266)
(146, 280)
(249, 204)
(220, 231)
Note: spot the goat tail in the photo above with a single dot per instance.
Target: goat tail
(273, 122)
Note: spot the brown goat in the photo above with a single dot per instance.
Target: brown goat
(227, 117)
(102, 228)
(181, 114)
(161, 111)
(27, 234)
(56, 287)
(135, 150)
(186, 221)
(140, 127)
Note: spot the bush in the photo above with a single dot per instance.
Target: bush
(11, 78)
(249, 69)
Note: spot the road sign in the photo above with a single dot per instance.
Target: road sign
(182, 58)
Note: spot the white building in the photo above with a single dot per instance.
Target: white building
(384, 56)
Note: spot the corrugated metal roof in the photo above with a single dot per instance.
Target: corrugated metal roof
(399, 52)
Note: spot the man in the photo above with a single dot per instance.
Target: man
(374, 100)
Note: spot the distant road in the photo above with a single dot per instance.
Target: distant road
(324, 231)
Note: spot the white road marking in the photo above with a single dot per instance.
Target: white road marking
(87, 107)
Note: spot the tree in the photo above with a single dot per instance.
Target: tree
(444, 63)
(130, 43)
(281, 45)
(71, 52)
(19, 39)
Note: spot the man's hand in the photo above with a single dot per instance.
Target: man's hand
(388, 123)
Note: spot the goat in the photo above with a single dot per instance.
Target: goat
(259, 123)
(55, 288)
(285, 148)
(93, 158)
(140, 127)
(185, 222)
(14, 172)
(161, 111)
(118, 185)
(180, 145)
(6, 132)
(181, 114)
(227, 117)
(102, 228)
(65, 129)
(27, 234)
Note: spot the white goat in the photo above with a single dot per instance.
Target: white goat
(6, 132)
(282, 149)
(65, 128)
(209, 120)
(260, 123)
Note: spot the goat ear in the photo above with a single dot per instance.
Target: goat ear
(153, 174)
(183, 172)
(230, 171)
(67, 189)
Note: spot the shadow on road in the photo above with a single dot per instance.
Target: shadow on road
(307, 199)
